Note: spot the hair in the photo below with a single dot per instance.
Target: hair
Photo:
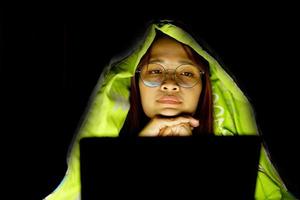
(136, 119)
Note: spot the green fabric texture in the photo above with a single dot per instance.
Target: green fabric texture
(109, 105)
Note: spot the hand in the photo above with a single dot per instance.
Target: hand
(183, 129)
(177, 126)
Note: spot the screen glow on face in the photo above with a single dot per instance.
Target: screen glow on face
(170, 83)
(185, 75)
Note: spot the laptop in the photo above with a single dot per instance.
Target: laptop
(202, 167)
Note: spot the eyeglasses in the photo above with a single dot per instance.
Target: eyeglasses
(154, 74)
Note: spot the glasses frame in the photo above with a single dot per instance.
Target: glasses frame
(165, 72)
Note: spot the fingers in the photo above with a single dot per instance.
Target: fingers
(165, 132)
(185, 130)
(163, 122)
(177, 130)
(159, 126)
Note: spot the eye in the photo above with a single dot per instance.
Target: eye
(154, 72)
(188, 74)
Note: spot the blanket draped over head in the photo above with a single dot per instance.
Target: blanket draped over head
(109, 104)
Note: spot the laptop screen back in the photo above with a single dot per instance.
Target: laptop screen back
(169, 167)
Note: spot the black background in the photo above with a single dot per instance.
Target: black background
(52, 57)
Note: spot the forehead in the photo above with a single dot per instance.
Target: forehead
(169, 48)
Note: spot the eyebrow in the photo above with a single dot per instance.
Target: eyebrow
(162, 61)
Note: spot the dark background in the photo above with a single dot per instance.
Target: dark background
(52, 57)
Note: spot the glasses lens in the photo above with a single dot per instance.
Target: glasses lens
(187, 75)
(152, 74)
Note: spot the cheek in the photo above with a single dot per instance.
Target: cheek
(192, 98)
(143, 92)
(147, 96)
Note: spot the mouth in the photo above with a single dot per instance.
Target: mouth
(169, 100)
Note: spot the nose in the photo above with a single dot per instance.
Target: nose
(169, 86)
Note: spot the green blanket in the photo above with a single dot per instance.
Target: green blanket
(109, 105)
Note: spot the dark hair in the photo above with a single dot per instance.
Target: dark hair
(136, 119)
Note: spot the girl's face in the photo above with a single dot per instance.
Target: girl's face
(169, 99)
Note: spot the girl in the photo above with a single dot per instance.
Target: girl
(168, 85)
